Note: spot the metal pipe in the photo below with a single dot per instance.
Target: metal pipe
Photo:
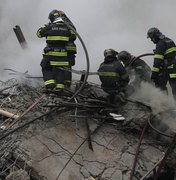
(145, 176)
(20, 36)
(137, 151)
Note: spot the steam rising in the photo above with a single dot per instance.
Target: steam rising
(157, 99)
(161, 103)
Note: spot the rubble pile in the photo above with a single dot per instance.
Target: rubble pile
(82, 139)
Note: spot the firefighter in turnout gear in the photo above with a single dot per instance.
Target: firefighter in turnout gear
(113, 76)
(135, 67)
(164, 66)
(70, 47)
(55, 55)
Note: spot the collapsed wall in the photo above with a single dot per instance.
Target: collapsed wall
(59, 145)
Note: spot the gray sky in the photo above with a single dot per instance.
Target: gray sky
(118, 24)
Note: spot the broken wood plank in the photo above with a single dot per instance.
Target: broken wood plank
(20, 36)
(8, 114)
(25, 112)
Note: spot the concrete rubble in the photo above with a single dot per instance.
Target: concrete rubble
(56, 146)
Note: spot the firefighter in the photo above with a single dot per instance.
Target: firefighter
(71, 47)
(135, 67)
(164, 66)
(57, 36)
(113, 76)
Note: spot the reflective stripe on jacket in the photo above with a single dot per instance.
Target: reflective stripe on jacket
(112, 73)
(164, 57)
(55, 33)
(59, 63)
(55, 53)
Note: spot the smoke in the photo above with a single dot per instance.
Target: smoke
(154, 97)
(118, 24)
(162, 105)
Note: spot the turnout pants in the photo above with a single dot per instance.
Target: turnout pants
(53, 76)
